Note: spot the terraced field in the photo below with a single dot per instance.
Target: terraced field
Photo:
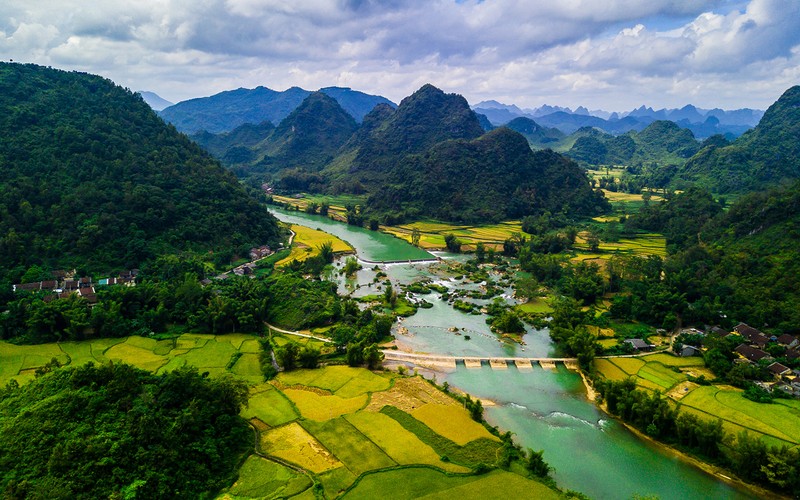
(346, 429)
(654, 371)
(778, 422)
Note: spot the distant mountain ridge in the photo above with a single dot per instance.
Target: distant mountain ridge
(703, 123)
(154, 100)
(227, 110)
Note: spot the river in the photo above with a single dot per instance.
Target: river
(545, 409)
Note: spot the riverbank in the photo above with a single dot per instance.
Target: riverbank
(710, 469)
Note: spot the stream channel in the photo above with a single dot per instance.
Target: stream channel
(544, 409)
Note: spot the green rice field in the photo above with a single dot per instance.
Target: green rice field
(427, 483)
(314, 426)
(778, 421)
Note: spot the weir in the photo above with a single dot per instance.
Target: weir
(497, 363)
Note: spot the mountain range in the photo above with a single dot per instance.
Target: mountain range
(227, 110)
(703, 123)
(429, 157)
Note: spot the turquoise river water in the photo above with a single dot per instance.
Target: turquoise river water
(545, 409)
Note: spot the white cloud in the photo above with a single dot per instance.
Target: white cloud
(567, 52)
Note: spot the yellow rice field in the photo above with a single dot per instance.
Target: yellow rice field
(293, 443)
(307, 241)
(451, 422)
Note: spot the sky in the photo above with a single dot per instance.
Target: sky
(603, 54)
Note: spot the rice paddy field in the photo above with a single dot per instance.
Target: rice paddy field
(777, 423)
(307, 241)
(336, 203)
(347, 430)
(432, 233)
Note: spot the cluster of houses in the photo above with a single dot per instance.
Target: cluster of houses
(247, 269)
(64, 284)
(752, 351)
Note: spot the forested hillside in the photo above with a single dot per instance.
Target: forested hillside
(115, 431)
(308, 138)
(92, 179)
(494, 177)
(427, 158)
(739, 265)
(662, 142)
(766, 156)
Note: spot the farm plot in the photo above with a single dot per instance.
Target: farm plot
(451, 422)
(260, 478)
(269, 405)
(293, 443)
(431, 484)
(307, 241)
(778, 421)
(364, 382)
(248, 368)
(334, 482)
(329, 378)
(487, 486)
(609, 370)
(408, 394)
(344, 381)
(629, 365)
(130, 352)
(319, 407)
(668, 360)
(349, 445)
(213, 357)
(660, 375)
(399, 444)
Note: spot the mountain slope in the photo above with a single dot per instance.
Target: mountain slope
(92, 178)
(423, 119)
(768, 155)
(227, 110)
(536, 134)
(154, 100)
(491, 178)
(312, 133)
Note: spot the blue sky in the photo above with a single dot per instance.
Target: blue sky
(610, 54)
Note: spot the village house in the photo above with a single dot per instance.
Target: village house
(689, 350)
(752, 335)
(788, 341)
(778, 370)
(639, 345)
(257, 253)
(751, 354)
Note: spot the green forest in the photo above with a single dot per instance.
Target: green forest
(92, 179)
(115, 431)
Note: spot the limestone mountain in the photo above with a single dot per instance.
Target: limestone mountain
(92, 178)
(227, 110)
(768, 155)
(494, 177)
(536, 134)
(304, 141)
(660, 142)
(429, 157)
